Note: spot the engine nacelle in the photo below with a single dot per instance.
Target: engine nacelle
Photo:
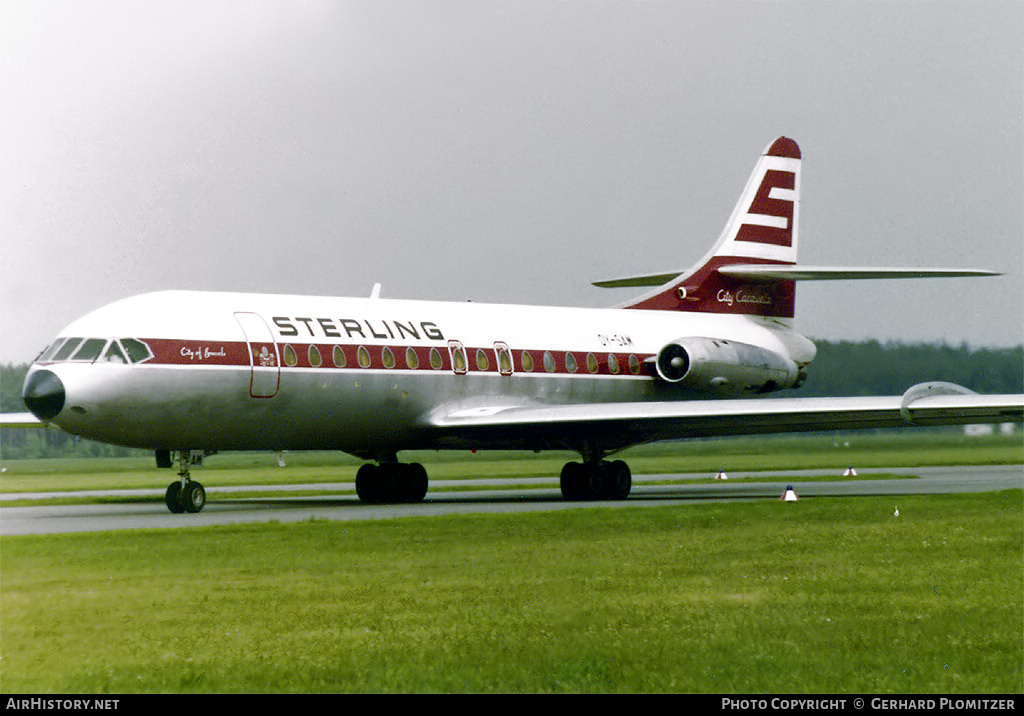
(725, 366)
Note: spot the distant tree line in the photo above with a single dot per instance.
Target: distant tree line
(840, 369)
(872, 368)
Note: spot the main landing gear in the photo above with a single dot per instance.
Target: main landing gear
(395, 482)
(391, 482)
(185, 494)
(597, 480)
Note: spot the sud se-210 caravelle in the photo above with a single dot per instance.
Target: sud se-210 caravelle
(187, 373)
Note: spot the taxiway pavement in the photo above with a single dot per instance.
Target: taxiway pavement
(519, 495)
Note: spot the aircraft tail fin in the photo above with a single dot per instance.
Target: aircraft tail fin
(762, 231)
(752, 268)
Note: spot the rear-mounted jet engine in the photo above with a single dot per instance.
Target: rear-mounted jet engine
(725, 366)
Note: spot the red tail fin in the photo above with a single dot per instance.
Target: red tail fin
(761, 230)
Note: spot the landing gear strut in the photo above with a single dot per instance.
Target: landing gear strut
(391, 482)
(598, 480)
(185, 494)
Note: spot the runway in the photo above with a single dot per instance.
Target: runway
(491, 496)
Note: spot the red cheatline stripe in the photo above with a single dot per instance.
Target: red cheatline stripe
(210, 353)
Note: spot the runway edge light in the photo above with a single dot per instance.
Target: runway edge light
(789, 495)
(850, 472)
(721, 475)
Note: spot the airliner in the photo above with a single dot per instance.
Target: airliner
(188, 373)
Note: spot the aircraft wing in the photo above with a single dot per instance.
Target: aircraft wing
(21, 420)
(620, 425)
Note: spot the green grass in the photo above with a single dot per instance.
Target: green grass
(823, 595)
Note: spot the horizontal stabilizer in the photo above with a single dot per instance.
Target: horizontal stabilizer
(657, 279)
(839, 273)
(775, 272)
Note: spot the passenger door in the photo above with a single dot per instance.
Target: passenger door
(264, 356)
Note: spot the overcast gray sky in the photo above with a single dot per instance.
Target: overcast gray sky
(504, 151)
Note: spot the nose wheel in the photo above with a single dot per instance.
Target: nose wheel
(190, 498)
(185, 494)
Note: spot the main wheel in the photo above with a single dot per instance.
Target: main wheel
(414, 482)
(574, 481)
(193, 497)
(618, 480)
(368, 487)
(173, 498)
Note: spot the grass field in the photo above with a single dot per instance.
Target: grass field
(816, 596)
(823, 595)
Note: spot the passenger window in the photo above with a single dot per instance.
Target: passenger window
(363, 356)
(613, 363)
(314, 356)
(435, 359)
(592, 365)
(481, 359)
(387, 357)
(570, 362)
(90, 349)
(291, 359)
(457, 352)
(339, 357)
(634, 365)
(549, 362)
(137, 350)
(67, 349)
(114, 354)
(411, 359)
(504, 357)
(526, 361)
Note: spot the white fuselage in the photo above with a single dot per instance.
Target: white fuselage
(253, 371)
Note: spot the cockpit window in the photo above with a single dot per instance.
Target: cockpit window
(50, 350)
(125, 350)
(137, 350)
(67, 349)
(114, 354)
(90, 349)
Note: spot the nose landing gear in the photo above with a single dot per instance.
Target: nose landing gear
(185, 494)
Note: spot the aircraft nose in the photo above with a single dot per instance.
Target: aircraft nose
(44, 394)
